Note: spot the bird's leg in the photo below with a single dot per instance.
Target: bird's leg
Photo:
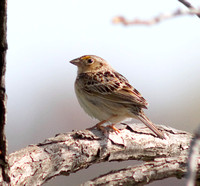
(99, 125)
(114, 128)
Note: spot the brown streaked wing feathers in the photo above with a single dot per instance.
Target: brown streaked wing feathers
(114, 87)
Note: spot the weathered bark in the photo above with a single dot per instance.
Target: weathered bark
(143, 174)
(70, 152)
(3, 49)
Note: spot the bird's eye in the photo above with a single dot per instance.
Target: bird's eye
(90, 61)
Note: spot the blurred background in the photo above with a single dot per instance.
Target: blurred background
(161, 61)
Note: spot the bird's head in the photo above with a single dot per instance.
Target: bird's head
(89, 63)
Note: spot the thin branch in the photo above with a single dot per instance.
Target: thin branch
(193, 159)
(71, 152)
(143, 174)
(3, 49)
(188, 5)
(155, 20)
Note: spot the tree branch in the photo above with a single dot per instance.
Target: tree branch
(3, 49)
(157, 19)
(188, 5)
(193, 159)
(70, 152)
(158, 169)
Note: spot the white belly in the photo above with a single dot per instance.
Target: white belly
(101, 109)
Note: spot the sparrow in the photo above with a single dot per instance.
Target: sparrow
(106, 95)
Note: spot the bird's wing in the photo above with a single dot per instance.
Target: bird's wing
(111, 86)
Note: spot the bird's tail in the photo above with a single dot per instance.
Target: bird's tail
(150, 125)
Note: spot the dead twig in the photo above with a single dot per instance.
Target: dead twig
(155, 20)
(188, 5)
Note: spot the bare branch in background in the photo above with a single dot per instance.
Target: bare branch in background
(155, 20)
(188, 5)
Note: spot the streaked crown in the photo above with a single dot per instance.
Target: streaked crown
(90, 63)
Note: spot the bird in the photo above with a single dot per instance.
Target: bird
(106, 95)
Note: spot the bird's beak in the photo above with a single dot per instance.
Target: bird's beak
(75, 62)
